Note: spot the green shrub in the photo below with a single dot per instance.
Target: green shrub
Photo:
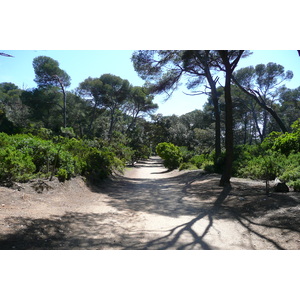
(295, 184)
(186, 154)
(101, 164)
(286, 143)
(209, 166)
(198, 160)
(24, 156)
(170, 154)
(187, 166)
(62, 175)
(265, 167)
(291, 170)
(15, 165)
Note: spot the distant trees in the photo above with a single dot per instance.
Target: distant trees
(244, 109)
(11, 106)
(262, 84)
(114, 94)
(164, 69)
(48, 73)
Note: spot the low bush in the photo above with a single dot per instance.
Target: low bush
(24, 156)
(186, 154)
(170, 154)
(295, 185)
(15, 165)
(187, 166)
(62, 175)
(265, 167)
(199, 160)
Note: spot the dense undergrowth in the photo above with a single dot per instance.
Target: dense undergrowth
(24, 157)
(278, 156)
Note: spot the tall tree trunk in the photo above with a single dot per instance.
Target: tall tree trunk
(229, 68)
(215, 100)
(225, 179)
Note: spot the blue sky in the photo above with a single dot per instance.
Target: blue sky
(80, 64)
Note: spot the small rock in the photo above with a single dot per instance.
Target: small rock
(16, 186)
(277, 180)
(2, 205)
(281, 187)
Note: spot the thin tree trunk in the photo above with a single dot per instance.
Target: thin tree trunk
(256, 122)
(215, 100)
(112, 121)
(263, 104)
(65, 107)
(265, 123)
(92, 118)
(65, 100)
(229, 68)
(225, 179)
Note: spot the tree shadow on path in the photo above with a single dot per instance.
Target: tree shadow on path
(188, 199)
(72, 230)
(198, 195)
(165, 242)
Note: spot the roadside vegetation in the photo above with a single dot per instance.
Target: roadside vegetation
(249, 128)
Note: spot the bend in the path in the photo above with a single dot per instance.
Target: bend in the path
(150, 188)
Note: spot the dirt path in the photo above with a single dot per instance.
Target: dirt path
(149, 208)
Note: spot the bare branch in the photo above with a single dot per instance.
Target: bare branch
(5, 54)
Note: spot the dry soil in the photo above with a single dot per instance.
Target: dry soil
(148, 208)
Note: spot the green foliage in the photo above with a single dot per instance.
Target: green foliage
(277, 156)
(15, 165)
(170, 154)
(187, 166)
(62, 175)
(68, 132)
(199, 160)
(25, 156)
(286, 143)
(266, 167)
(186, 154)
(296, 185)
(47, 72)
(208, 163)
(209, 166)
(291, 170)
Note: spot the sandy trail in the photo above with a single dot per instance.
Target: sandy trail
(150, 208)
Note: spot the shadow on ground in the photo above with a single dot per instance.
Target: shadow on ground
(70, 231)
(192, 194)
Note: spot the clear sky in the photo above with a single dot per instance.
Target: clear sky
(80, 64)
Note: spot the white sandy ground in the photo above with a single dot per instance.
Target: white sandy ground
(149, 208)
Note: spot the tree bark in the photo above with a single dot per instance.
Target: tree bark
(229, 68)
(215, 101)
(225, 179)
